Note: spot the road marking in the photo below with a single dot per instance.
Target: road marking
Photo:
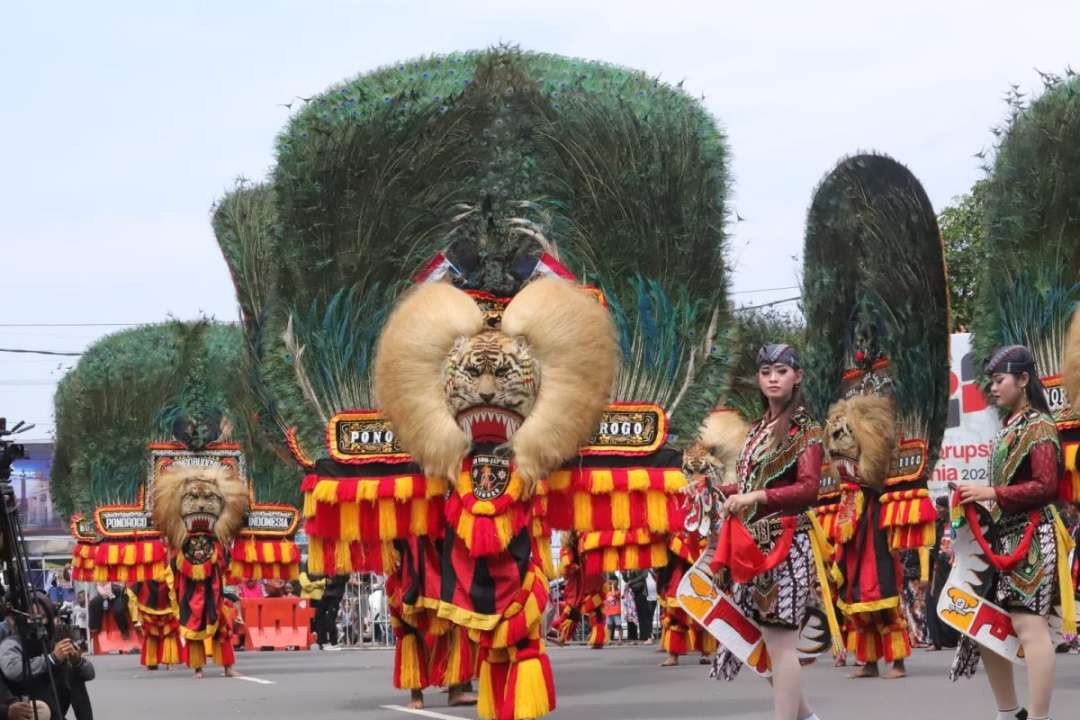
(421, 713)
(256, 680)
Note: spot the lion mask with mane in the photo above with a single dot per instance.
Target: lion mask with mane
(860, 434)
(192, 499)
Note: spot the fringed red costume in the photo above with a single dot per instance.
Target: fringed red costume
(868, 578)
(679, 634)
(153, 607)
(583, 596)
(205, 615)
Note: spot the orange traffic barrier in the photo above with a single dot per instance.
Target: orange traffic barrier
(109, 639)
(276, 623)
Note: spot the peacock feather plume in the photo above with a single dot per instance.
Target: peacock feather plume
(1030, 282)
(151, 384)
(495, 158)
(874, 287)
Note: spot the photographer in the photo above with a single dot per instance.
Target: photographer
(69, 670)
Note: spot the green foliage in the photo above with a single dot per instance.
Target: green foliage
(964, 235)
(621, 177)
(1031, 265)
(874, 279)
(108, 408)
(129, 388)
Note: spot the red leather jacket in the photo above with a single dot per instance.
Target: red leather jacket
(1035, 483)
(796, 490)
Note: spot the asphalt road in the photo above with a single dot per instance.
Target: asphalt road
(621, 683)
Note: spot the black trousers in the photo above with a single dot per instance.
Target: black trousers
(326, 620)
(644, 615)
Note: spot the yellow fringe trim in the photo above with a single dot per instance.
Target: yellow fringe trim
(1065, 547)
(656, 511)
(530, 691)
(865, 607)
(924, 564)
(411, 677)
(819, 544)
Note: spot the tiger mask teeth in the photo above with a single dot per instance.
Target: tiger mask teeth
(489, 423)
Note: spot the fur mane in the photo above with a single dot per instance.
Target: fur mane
(408, 377)
(572, 338)
(723, 433)
(1070, 363)
(872, 422)
(168, 494)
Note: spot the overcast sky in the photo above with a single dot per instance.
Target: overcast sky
(123, 122)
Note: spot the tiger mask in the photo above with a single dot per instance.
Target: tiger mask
(491, 382)
(446, 379)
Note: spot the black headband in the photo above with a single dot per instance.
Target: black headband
(1012, 359)
(778, 353)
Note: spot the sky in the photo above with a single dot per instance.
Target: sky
(122, 123)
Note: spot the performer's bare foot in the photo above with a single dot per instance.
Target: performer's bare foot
(229, 672)
(869, 670)
(896, 672)
(198, 674)
(705, 660)
(416, 700)
(840, 661)
(460, 696)
(672, 661)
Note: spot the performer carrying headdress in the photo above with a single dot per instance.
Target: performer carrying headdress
(875, 302)
(779, 473)
(1024, 544)
(583, 596)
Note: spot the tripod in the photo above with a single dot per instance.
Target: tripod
(30, 623)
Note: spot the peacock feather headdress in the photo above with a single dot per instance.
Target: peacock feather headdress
(494, 159)
(1030, 281)
(874, 295)
(150, 384)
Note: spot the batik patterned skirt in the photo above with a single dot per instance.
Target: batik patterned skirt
(778, 598)
(1031, 586)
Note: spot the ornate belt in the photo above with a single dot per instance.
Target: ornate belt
(766, 530)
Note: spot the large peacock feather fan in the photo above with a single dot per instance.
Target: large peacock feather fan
(1030, 282)
(151, 384)
(495, 158)
(874, 290)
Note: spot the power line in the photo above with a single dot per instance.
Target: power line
(748, 292)
(70, 324)
(40, 352)
(769, 304)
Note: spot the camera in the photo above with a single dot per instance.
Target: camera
(10, 451)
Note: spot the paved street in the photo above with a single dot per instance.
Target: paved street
(616, 683)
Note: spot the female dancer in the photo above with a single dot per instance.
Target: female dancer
(779, 471)
(1025, 468)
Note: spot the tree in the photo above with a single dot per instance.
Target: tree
(963, 231)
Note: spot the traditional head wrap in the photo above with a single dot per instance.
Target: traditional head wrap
(1013, 359)
(778, 353)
